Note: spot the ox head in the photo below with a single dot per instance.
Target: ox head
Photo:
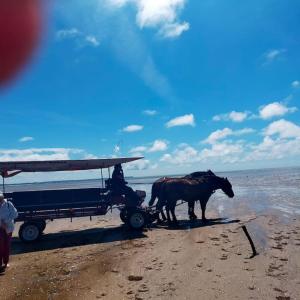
(226, 187)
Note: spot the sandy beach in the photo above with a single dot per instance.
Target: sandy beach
(114, 110)
(103, 260)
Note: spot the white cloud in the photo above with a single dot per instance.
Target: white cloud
(67, 33)
(173, 30)
(92, 40)
(90, 156)
(225, 132)
(185, 120)
(225, 151)
(234, 116)
(271, 149)
(161, 14)
(138, 165)
(158, 145)
(218, 134)
(238, 116)
(296, 84)
(273, 54)
(138, 149)
(281, 141)
(119, 33)
(81, 38)
(133, 128)
(37, 154)
(26, 139)
(150, 112)
(275, 109)
(182, 155)
(283, 128)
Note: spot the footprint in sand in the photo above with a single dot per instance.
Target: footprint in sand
(143, 288)
(135, 277)
(277, 247)
(223, 257)
(284, 259)
(249, 269)
(279, 290)
(224, 235)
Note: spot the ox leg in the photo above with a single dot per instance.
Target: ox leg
(175, 222)
(168, 214)
(160, 209)
(203, 208)
(192, 214)
(164, 218)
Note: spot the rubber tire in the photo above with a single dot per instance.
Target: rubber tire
(42, 224)
(123, 216)
(137, 220)
(24, 226)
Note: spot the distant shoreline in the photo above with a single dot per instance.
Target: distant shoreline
(146, 177)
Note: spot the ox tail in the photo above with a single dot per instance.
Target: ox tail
(162, 197)
(154, 194)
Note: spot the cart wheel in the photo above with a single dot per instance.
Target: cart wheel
(136, 220)
(30, 232)
(123, 216)
(42, 224)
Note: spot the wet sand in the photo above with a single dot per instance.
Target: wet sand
(103, 260)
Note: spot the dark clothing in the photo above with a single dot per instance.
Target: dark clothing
(119, 186)
(5, 240)
(118, 177)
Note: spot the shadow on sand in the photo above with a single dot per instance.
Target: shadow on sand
(187, 224)
(66, 239)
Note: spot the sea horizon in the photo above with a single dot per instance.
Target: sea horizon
(153, 176)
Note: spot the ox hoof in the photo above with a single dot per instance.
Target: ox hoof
(193, 217)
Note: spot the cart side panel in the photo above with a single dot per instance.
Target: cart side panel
(56, 199)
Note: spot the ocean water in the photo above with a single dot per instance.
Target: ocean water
(259, 192)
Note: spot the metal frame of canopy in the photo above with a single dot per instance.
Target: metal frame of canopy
(12, 168)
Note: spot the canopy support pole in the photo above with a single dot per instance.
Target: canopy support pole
(3, 184)
(102, 178)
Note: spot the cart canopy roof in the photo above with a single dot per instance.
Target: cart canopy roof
(11, 168)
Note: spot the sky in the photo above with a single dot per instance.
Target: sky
(189, 85)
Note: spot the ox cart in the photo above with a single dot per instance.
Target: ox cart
(37, 207)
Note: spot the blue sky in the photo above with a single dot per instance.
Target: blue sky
(190, 85)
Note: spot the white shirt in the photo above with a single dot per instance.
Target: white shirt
(8, 214)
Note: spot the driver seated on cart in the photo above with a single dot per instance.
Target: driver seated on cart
(119, 186)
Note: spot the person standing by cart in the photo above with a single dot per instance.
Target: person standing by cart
(8, 214)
